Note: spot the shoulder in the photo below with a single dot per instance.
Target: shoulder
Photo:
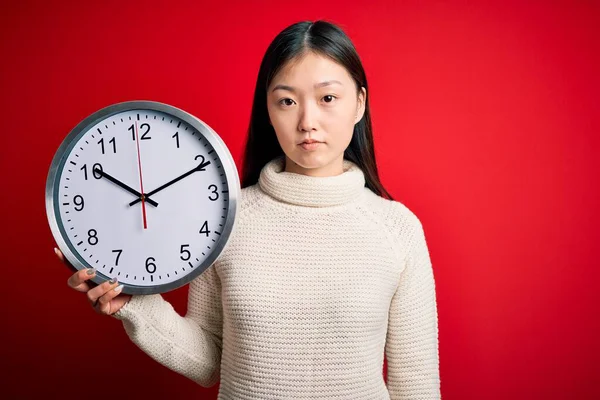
(250, 197)
(395, 216)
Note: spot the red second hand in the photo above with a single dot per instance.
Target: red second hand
(137, 142)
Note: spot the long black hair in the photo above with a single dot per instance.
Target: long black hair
(323, 38)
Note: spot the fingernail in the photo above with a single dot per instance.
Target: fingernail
(55, 251)
(118, 288)
(90, 271)
(112, 281)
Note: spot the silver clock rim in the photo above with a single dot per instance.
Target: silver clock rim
(211, 136)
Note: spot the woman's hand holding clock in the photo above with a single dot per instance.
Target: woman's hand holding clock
(106, 298)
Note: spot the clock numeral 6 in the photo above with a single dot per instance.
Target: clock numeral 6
(182, 250)
(92, 237)
(214, 191)
(94, 172)
(78, 200)
(150, 266)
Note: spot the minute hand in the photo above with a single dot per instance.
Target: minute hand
(200, 167)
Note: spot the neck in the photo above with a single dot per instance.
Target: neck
(311, 191)
(334, 168)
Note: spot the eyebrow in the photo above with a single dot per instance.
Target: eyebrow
(318, 85)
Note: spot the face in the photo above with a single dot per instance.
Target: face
(314, 98)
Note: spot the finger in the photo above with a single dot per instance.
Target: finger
(61, 257)
(78, 280)
(94, 294)
(104, 306)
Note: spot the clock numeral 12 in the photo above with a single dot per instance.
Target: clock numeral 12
(143, 126)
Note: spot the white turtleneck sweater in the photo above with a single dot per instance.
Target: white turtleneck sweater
(320, 278)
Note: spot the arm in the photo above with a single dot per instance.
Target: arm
(411, 346)
(189, 345)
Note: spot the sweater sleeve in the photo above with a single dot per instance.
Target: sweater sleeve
(190, 345)
(411, 347)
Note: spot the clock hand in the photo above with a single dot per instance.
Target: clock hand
(143, 198)
(124, 186)
(200, 167)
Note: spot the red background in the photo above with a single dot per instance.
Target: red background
(486, 126)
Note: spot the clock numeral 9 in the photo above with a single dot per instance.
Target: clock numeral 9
(150, 266)
(214, 191)
(94, 171)
(182, 250)
(143, 126)
(204, 228)
(79, 203)
(92, 237)
(114, 143)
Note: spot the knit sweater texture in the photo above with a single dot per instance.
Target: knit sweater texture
(319, 279)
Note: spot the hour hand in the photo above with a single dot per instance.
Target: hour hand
(124, 186)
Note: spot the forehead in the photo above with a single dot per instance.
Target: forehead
(311, 68)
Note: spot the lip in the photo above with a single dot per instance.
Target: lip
(309, 141)
(310, 146)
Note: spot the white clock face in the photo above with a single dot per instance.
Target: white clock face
(186, 192)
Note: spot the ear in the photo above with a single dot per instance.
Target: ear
(361, 104)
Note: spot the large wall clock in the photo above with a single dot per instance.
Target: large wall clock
(144, 192)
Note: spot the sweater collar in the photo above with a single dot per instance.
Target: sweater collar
(311, 191)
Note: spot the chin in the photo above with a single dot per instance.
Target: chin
(310, 160)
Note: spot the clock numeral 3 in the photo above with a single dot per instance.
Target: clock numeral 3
(214, 191)
(150, 266)
(204, 228)
(182, 250)
(92, 237)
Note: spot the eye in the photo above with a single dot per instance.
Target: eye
(284, 102)
(329, 98)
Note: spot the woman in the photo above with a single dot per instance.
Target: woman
(322, 275)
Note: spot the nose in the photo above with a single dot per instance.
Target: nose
(308, 118)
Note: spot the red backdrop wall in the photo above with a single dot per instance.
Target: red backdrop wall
(486, 126)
